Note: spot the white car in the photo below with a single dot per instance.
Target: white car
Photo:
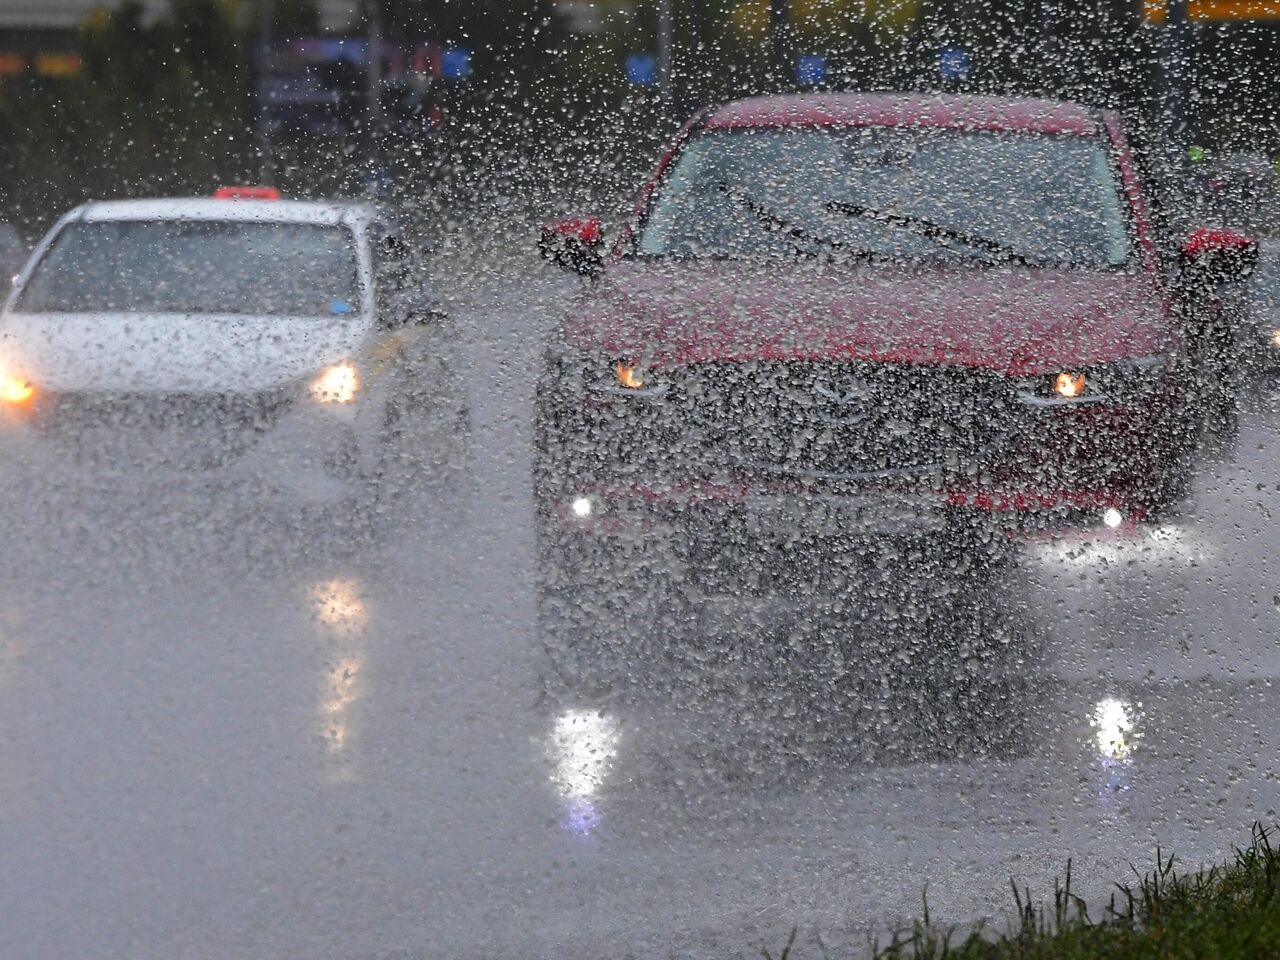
(281, 339)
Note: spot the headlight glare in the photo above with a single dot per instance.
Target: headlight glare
(336, 384)
(1069, 385)
(629, 376)
(15, 390)
(1121, 381)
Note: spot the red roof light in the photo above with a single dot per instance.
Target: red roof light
(246, 193)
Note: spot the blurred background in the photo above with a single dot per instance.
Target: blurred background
(479, 109)
(226, 731)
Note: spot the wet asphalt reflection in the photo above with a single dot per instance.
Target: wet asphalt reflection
(227, 734)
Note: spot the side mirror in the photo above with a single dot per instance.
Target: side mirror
(575, 244)
(1211, 257)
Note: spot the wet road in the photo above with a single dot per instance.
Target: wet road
(223, 738)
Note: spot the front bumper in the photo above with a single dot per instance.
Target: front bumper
(741, 512)
(1060, 467)
(294, 448)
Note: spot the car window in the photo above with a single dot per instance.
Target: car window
(196, 266)
(1050, 199)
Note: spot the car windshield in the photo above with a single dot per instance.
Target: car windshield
(891, 193)
(196, 266)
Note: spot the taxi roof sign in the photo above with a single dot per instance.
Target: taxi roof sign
(1156, 11)
(246, 193)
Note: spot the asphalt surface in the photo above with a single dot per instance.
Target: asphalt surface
(224, 735)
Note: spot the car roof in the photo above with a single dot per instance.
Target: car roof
(956, 111)
(205, 208)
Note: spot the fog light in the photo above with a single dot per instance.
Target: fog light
(1069, 385)
(582, 507)
(1112, 517)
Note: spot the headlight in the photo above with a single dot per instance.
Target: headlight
(15, 390)
(630, 379)
(337, 384)
(1118, 382)
(629, 375)
(1069, 385)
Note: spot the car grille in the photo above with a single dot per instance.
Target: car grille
(858, 421)
(191, 430)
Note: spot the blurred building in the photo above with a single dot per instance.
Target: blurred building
(590, 16)
(39, 36)
(51, 17)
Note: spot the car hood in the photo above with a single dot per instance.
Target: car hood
(168, 353)
(1014, 319)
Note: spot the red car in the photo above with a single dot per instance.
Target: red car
(857, 320)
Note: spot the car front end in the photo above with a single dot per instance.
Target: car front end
(298, 436)
(617, 440)
(728, 498)
(842, 334)
(240, 352)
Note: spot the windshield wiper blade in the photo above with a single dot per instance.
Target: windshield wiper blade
(931, 230)
(771, 219)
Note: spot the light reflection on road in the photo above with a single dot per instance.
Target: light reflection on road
(338, 604)
(583, 746)
(343, 617)
(1114, 728)
(1116, 736)
(341, 691)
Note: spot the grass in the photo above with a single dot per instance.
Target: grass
(1229, 911)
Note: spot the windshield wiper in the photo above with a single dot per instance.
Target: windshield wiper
(932, 231)
(772, 220)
